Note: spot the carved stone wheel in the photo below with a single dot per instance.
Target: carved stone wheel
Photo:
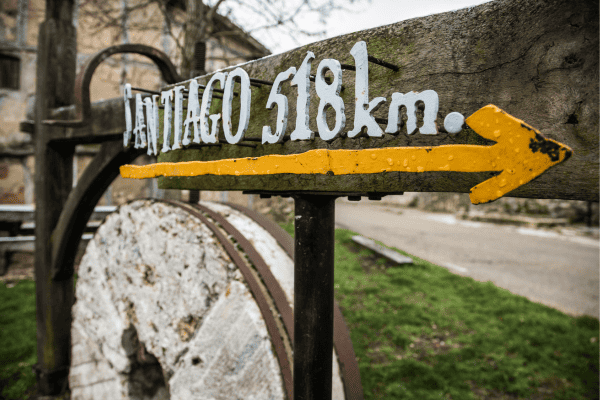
(163, 310)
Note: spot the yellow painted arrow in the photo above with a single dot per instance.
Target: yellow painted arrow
(520, 154)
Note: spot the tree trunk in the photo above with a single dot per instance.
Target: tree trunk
(195, 31)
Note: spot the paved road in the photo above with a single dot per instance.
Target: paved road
(557, 270)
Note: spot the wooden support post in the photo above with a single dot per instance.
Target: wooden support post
(313, 296)
(56, 65)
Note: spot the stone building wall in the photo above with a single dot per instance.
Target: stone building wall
(19, 24)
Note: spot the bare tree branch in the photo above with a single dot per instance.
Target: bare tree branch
(198, 20)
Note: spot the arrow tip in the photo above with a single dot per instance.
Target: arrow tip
(522, 150)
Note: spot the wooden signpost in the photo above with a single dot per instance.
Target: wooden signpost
(514, 156)
(413, 106)
(237, 141)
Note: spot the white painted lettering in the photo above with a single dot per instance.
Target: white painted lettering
(152, 122)
(330, 94)
(128, 125)
(276, 98)
(178, 116)
(193, 115)
(363, 110)
(207, 136)
(409, 100)
(302, 80)
(165, 98)
(245, 97)
(140, 124)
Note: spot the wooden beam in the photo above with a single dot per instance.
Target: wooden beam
(108, 123)
(79, 206)
(56, 65)
(536, 60)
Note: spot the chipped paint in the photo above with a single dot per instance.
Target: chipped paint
(516, 167)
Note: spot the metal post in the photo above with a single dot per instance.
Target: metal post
(313, 296)
(53, 181)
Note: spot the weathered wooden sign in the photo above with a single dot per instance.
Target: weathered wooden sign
(519, 155)
(328, 94)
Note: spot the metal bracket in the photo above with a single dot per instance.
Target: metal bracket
(83, 105)
(351, 196)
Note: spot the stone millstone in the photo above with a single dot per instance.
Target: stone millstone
(162, 312)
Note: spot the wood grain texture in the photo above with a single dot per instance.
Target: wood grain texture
(55, 77)
(537, 60)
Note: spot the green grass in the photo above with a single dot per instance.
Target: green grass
(17, 340)
(419, 332)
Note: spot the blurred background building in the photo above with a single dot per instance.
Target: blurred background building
(100, 24)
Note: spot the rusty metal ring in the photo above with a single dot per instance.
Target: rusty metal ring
(341, 334)
(83, 107)
(263, 305)
(281, 236)
(275, 290)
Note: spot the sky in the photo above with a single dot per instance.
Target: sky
(365, 15)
